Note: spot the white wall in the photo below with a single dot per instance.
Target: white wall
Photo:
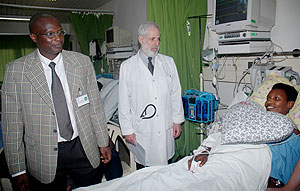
(287, 27)
(128, 14)
(285, 33)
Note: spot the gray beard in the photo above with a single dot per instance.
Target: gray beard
(150, 53)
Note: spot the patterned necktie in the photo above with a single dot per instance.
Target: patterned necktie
(60, 104)
(150, 65)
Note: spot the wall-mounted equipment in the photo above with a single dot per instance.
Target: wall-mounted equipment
(117, 37)
(244, 26)
(119, 53)
(243, 15)
(259, 72)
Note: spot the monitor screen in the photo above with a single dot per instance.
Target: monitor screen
(243, 15)
(110, 36)
(117, 37)
(230, 11)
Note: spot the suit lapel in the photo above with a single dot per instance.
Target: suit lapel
(72, 74)
(36, 76)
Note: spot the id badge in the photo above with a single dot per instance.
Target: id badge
(82, 100)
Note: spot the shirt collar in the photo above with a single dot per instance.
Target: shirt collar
(46, 61)
(144, 57)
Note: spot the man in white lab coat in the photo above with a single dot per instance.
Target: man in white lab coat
(150, 105)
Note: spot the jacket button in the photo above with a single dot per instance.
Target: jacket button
(55, 149)
(54, 131)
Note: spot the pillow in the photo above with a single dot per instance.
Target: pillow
(261, 92)
(248, 122)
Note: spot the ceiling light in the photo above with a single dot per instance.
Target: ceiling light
(14, 18)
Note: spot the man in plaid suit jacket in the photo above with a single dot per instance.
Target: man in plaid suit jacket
(38, 157)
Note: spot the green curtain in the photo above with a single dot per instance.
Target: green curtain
(16, 46)
(13, 47)
(171, 17)
(90, 27)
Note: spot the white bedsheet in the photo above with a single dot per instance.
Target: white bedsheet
(241, 167)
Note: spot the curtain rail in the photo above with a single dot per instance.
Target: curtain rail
(56, 8)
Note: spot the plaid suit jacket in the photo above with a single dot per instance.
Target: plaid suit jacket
(28, 119)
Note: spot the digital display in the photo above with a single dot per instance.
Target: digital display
(110, 36)
(192, 100)
(230, 11)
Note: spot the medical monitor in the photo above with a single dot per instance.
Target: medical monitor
(116, 37)
(243, 15)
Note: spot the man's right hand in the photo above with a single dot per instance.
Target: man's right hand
(21, 182)
(131, 138)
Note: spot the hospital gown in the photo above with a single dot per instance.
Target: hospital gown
(284, 158)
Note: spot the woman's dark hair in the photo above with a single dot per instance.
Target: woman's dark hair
(290, 91)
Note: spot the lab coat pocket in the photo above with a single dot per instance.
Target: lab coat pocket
(141, 126)
(165, 83)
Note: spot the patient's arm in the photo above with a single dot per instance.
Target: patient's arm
(294, 182)
(211, 141)
(201, 154)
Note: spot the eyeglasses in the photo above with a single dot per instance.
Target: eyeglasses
(52, 34)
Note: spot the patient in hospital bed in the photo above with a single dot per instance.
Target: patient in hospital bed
(236, 158)
(284, 155)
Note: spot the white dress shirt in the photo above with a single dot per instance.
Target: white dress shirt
(60, 71)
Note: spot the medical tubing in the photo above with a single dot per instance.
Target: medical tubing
(235, 71)
(281, 51)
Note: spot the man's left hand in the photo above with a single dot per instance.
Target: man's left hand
(105, 154)
(176, 130)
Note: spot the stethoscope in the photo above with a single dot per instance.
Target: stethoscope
(144, 113)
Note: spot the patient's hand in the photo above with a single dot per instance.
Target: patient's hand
(200, 157)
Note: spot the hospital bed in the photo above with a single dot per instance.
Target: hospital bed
(229, 167)
(238, 168)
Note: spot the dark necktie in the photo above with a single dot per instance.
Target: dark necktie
(60, 104)
(150, 65)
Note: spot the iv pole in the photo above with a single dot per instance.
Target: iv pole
(201, 67)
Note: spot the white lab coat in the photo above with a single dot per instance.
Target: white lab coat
(137, 89)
